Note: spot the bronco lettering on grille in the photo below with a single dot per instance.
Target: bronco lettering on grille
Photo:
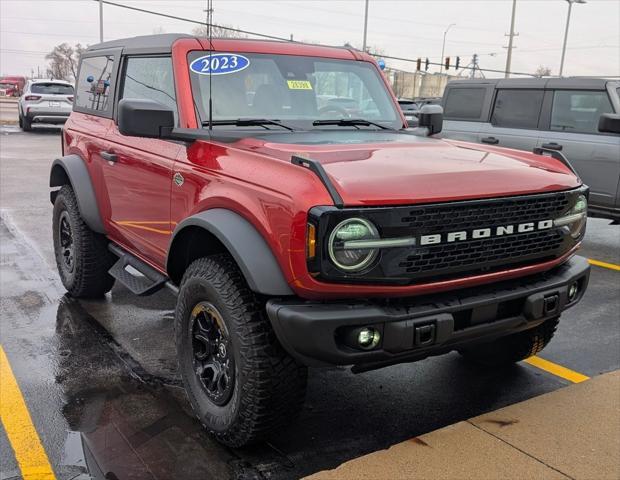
(499, 231)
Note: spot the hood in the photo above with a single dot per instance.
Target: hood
(390, 168)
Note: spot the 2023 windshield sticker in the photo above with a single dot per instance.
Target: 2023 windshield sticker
(219, 64)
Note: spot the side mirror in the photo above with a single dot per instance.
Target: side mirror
(609, 123)
(144, 118)
(431, 117)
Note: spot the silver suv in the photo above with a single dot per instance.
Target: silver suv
(45, 101)
(577, 116)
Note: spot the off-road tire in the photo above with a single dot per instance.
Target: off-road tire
(269, 385)
(512, 348)
(89, 277)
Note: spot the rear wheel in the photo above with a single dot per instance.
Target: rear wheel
(25, 123)
(241, 383)
(82, 255)
(513, 348)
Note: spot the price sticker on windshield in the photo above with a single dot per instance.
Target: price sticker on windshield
(299, 85)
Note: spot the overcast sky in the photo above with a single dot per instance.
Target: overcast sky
(405, 28)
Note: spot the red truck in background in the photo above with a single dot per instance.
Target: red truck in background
(12, 86)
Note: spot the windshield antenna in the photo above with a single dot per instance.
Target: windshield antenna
(210, 35)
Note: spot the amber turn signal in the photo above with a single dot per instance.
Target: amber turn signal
(311, 241)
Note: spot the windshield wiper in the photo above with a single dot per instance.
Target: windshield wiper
(350, 122)
(249, 122)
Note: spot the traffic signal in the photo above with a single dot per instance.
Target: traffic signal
(458, 61)
(447, 63)
(419, 64)
(426, 64)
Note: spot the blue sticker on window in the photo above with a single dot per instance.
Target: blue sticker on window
(219, 64)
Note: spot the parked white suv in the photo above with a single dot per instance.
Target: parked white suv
(45, 101)
(578, 117)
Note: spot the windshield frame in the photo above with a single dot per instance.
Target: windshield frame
(301, 123)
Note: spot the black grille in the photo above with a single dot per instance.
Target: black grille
(479, 253)
(459, 258)
(462, 216)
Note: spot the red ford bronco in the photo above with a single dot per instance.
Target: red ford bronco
(276, 189)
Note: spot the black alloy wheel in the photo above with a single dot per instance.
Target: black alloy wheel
(214, 362)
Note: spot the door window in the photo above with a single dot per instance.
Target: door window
(94, 84)
(578, 111)
(517, 108)
(150, 78)
(464, 103)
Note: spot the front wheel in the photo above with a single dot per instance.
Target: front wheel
(513, 348)
(241, 383)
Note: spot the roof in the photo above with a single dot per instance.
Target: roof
(568, 82)
(162, 43)
(49, 80)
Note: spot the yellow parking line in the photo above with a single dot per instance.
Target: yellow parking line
(29, 453)
(557, 370)
(598, 263)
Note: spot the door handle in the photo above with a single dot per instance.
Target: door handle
(490, 140)
(552, 146)
(109, 156)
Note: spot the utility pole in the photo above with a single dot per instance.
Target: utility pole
(510, 36)
(474, 65)
(100, 20)
(365, 26)
(443, 47)
(570, 7)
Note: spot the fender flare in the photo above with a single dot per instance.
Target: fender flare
(73, 169)
(246, 245)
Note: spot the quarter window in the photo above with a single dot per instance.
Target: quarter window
(578, 111)
(150, 78)
(94, 83)
(517, 108)
(464, 103)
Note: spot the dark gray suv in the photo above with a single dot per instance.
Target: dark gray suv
(577, 116)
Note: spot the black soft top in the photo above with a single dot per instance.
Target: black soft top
(160, 43)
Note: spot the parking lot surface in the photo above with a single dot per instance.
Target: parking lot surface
(99, 378)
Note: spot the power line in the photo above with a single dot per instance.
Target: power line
(197, 22)
(402, 59)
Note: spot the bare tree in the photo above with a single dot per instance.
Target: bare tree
(542, 71)
(63, 61)
(218, 31)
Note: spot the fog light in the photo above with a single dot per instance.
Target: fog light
(572, 291)
(368, 338)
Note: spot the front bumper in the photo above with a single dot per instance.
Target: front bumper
(415, 328)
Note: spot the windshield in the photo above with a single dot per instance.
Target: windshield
(295, 90)
(52, 88)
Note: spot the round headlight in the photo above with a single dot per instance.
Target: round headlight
(347, 258)
(580, 208)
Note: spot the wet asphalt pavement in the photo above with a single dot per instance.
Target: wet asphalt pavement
(100, 379)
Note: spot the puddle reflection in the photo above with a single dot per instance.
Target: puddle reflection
(122, 426)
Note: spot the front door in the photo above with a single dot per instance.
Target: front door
(138, 172)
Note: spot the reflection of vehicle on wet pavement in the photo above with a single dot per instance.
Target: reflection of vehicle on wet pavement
(45, 101)
(297, 236)
(113, 415)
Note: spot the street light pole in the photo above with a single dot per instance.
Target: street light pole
(570, 7)
(100, 20)
(443, 47)
(365, 26)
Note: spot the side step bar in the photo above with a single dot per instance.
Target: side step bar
(140, 278)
